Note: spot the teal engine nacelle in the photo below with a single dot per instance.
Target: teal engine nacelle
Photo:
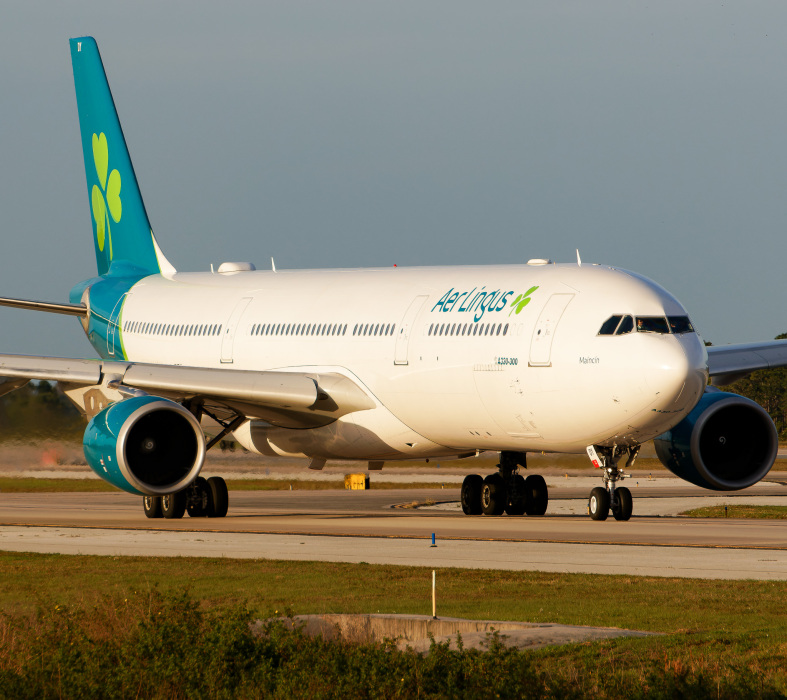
(727, 442)
(145, 445)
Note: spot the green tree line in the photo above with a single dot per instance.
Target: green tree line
(39, 411)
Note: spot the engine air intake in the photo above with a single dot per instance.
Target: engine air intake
(145, 445)
(728, 442)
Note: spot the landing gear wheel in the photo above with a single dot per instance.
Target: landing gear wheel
(198, 503)
(219, 498)
(152, 506)
(624, 504)
(599, 503)
(493, 495)
(536, 495)
(517, 500)
(173, 505)
(471, 494)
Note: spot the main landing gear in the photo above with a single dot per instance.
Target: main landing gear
(609, 497)
(507, 491)
(202, 498)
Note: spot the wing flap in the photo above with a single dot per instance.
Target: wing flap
(289, 399)
(56, 369)
(284, 389)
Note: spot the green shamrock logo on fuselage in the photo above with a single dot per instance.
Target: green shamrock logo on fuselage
(521, 301)
(105, 200)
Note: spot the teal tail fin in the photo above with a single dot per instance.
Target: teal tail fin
(121, 230)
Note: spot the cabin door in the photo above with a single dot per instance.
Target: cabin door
(405, 329)
(112, 326)
(544, 332)
(228, 336)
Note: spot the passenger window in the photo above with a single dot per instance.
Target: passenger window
(505, 330)
(652, 324)
(610, 325)
(680, 324)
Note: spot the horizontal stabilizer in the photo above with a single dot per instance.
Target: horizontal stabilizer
(48, 306)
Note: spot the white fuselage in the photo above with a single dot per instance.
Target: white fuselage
(452, 364)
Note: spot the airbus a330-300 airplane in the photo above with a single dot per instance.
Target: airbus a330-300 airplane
(381, 364)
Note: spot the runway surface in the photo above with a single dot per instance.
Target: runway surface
(371, 526)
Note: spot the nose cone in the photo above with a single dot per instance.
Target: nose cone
(678, 373)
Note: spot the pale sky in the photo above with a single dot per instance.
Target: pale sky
(357, 134)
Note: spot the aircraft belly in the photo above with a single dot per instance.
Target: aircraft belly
(373, 434)
(443, 405)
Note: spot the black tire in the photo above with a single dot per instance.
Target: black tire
(198, 503)
(536, 495)
(152, 506)
(493, 495)
(517, 500)
(598, 503)
(173, 505)
(471, 494)
(624, 504)
(219, 497)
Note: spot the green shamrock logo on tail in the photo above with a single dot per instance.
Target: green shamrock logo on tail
(521, 301)
(105, 200)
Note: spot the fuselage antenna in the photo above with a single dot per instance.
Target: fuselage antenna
(273, 265)
(579, 260)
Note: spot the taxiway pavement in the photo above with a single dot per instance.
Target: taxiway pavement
(372, 526)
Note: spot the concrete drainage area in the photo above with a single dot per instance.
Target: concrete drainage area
(417, 631)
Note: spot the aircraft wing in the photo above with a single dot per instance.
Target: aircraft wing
(729, 363)
(280, 397)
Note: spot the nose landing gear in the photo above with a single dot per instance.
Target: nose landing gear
(610, 497)
(507, 491)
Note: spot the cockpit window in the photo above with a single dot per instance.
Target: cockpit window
(626, 325)
(652, 324)
(609, 326)
(680, 324)
(617, 325)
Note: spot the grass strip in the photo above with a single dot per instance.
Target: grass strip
(650, 603)
(31, 485)
(757, 512)
(75, 620)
